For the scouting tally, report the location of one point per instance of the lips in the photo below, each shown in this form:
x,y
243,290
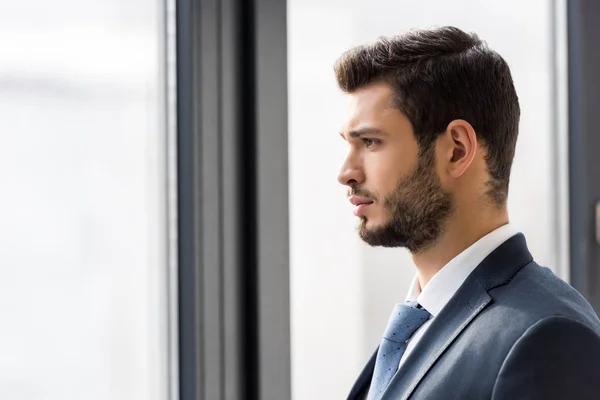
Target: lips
x,y
360,204
359,200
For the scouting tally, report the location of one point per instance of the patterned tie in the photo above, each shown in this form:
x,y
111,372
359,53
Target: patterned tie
x,y
404,322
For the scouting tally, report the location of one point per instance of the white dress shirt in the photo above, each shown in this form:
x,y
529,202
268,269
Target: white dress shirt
x,y
450,278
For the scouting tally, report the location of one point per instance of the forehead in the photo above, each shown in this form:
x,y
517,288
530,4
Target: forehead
x,y
369,100
373,106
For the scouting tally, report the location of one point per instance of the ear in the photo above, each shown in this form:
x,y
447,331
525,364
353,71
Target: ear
x,y
463,146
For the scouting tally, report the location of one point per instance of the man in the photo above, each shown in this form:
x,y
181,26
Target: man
x,y
432,126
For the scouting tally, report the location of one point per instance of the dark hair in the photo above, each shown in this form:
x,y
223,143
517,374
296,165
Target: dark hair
x,y
439,75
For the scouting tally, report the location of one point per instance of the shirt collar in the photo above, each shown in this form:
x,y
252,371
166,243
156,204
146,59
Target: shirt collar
x,y
450,278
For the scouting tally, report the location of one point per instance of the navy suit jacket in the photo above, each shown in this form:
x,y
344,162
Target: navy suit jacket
x,y
513,330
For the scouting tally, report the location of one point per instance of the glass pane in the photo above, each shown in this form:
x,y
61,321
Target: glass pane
x,y
82,160
342,290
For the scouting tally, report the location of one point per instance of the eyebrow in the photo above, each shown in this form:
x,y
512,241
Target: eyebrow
x,y
355,134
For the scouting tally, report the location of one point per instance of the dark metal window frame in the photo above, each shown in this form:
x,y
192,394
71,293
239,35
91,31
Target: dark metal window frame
x,y
584,144
234,334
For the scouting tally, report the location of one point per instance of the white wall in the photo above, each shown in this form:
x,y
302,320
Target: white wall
x,y
82,253
342,290
325,252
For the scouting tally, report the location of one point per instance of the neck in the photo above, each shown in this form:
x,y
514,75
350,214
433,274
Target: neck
x,y
461,231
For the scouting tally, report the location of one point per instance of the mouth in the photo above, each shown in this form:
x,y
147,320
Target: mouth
x,y
360,209
360,204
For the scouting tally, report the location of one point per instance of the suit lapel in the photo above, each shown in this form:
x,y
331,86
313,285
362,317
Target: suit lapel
x,y
446,326
470,299
364,379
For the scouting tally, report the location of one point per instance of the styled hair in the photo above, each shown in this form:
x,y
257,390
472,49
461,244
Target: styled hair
x,y
440,75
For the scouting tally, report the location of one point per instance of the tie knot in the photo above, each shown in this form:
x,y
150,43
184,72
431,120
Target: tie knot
x,y
404,321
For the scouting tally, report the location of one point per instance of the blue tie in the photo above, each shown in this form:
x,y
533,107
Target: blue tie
x,y
404,322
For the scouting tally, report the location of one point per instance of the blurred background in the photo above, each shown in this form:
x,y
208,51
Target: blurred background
x,y
82,160
156,157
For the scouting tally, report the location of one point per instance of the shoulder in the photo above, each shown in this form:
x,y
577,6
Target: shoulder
x,y
536,294
533,300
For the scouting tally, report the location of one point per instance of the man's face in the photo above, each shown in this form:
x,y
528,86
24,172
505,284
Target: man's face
x,y
396,190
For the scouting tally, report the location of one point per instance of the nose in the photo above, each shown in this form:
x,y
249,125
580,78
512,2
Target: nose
x,y
351,172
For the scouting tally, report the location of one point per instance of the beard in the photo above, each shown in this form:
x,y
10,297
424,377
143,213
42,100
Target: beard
x,y
418,209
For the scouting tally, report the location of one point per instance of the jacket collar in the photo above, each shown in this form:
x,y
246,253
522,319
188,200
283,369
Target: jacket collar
x,y
495,270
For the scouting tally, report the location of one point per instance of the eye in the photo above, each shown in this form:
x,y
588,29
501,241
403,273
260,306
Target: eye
x,y
370,142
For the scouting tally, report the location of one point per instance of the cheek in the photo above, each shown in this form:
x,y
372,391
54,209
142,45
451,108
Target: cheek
x,y
383,174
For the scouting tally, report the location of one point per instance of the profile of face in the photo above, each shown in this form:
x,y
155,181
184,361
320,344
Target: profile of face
x,y
392,182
